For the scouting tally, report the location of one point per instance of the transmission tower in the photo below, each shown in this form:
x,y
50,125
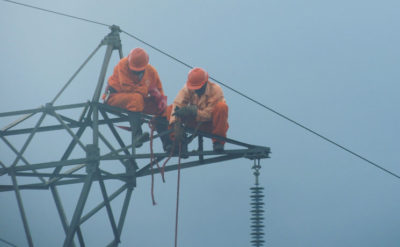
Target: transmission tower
x,y
87,160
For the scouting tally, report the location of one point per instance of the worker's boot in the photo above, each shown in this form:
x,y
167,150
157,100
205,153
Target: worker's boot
x,y
184,149
218,147
161,125
180,138
141,138
139,135
167,143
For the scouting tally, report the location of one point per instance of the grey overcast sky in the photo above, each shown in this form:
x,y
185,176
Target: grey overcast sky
x,y
330,65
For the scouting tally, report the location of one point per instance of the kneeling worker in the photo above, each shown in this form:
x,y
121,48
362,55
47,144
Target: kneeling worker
x,y
201,101
136,86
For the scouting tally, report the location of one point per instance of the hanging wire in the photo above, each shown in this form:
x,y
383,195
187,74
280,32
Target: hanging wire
x,y
223,84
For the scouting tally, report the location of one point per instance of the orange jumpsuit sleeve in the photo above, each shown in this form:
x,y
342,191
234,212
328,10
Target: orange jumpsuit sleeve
x,y
113,80
215,95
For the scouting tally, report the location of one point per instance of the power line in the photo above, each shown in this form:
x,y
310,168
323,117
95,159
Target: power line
x,y
10,244
270,109
223,84
159,50
57,13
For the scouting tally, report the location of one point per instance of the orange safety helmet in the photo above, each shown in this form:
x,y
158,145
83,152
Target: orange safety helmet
x,y
197,77
138,59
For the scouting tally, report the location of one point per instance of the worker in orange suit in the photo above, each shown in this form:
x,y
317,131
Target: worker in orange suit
x,y
136,86
201,103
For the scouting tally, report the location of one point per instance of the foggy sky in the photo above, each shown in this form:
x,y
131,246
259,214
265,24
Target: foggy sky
x,y
331,66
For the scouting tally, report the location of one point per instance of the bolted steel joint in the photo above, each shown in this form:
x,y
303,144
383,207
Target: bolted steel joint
x,y
113,37
115,28
48,108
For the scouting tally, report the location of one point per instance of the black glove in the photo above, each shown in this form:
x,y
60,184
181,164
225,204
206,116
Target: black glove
x,y
186,111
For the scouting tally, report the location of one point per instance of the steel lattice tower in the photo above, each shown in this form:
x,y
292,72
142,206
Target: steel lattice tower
x,y
97,120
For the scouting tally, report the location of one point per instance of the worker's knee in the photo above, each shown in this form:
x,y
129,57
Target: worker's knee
x,y
130,101
221,108
136,102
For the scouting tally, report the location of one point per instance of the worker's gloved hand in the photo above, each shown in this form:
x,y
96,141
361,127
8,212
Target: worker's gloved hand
x,y
109,90
186,111
162,103
161,100
154,92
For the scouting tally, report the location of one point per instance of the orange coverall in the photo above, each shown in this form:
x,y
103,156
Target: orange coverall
x,y
212,109
132,93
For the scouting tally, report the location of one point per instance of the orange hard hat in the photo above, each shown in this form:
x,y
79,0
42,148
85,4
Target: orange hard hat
x,y
197,77
138,59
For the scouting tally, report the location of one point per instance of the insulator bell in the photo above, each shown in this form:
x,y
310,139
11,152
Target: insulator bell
x,y
257,211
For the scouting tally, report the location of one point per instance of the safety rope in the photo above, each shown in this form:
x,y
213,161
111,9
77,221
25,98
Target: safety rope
x,y
177,195
162,175
162,170
152,127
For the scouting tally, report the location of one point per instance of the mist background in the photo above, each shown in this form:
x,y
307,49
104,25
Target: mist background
x,y
332,66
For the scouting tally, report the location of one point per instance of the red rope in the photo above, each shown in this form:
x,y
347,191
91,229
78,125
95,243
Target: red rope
x,y
177,196
162,170
152,127
166,161
151,162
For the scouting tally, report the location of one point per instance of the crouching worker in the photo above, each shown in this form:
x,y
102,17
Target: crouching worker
x,y
136,86
201,103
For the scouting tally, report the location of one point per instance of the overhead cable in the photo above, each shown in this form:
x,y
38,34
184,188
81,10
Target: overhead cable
x,y
57,13
7,242
269,108
223,84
